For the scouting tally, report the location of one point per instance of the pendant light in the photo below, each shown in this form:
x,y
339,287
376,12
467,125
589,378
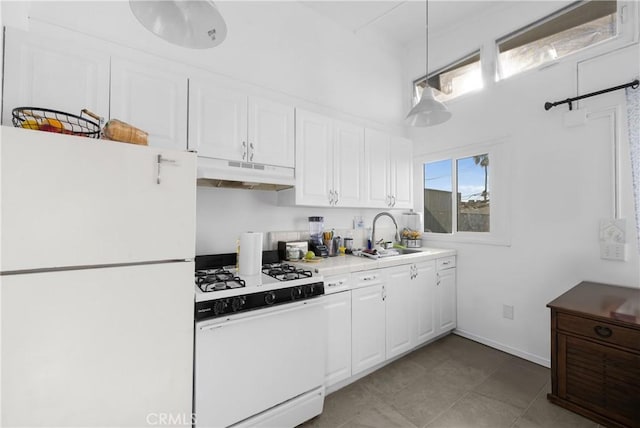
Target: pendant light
x,y
188,23
428,111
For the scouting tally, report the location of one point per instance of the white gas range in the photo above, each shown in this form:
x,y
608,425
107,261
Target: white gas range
x,y
259,347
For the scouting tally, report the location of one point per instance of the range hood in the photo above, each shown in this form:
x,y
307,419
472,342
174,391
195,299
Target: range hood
x,y
243,175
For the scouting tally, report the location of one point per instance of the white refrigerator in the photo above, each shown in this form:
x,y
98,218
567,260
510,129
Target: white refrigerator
x,y
97,242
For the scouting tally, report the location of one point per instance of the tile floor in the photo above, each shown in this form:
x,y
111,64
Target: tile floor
x,y
453,382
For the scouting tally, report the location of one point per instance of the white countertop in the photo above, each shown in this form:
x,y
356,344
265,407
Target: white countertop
x,y
340,265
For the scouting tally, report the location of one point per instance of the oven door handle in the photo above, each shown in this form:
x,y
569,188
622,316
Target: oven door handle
x,y
290,307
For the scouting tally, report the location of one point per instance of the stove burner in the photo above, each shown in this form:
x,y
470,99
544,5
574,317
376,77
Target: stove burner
x,y
217,279
285,272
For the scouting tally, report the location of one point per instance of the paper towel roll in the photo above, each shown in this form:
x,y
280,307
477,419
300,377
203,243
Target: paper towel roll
x,y
250,257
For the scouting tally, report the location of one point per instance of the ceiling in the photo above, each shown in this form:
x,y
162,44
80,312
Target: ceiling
x,y
401,22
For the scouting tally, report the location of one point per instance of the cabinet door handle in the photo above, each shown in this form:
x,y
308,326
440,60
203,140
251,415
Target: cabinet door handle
x,y
330,197
602,331
252,151
244,150
335,193
393,204
369,278
161,160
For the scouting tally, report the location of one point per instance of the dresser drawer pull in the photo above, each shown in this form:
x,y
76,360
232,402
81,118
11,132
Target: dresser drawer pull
x,y
602,331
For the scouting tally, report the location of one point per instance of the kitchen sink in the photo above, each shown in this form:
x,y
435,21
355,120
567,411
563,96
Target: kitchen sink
x,y
392,252
407,250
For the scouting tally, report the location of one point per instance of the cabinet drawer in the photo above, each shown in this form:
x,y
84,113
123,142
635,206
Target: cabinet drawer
x,y
446,262
367,278
602,331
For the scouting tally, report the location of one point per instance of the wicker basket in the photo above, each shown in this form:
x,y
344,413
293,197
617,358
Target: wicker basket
x,y
48,120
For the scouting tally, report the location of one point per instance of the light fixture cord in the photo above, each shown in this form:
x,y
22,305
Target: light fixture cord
x,y
426,49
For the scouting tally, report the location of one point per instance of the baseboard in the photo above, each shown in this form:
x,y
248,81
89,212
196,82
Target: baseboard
x,y
509,350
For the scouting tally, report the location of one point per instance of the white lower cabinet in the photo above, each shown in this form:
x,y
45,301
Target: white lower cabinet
x,y
367,321
424,301
393,310
338,360
446,295
399,318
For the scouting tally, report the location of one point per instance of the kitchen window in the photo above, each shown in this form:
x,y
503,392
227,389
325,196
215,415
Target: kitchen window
x,y
571,29
469,176
465,194
460,77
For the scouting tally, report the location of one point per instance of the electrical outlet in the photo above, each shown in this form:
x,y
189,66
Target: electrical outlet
x,y
507,312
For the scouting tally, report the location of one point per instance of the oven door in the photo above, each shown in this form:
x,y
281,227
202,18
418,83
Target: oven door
x,y
248,363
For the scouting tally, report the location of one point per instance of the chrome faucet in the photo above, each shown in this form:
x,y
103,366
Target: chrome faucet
x,y
373,232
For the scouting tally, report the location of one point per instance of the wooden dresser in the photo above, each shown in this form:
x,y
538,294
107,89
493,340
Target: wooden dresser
x,y
595,353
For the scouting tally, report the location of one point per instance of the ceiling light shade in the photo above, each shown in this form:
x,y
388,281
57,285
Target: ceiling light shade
x,y
428,111
188,23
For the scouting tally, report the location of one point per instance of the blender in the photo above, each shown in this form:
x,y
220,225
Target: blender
x,y
316,244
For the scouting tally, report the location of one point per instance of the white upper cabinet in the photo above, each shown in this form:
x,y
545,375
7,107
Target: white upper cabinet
x,y
217,121
271,132
348,164
229,124
151,95
313,159
329,161
401,170
377,169
388,163
65,75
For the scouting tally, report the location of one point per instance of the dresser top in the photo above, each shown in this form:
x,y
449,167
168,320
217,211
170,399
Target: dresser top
x,y
601,300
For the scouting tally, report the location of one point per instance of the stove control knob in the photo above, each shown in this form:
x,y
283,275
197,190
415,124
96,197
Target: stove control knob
x,y
296,293
237,303
309,289
269,297
219,306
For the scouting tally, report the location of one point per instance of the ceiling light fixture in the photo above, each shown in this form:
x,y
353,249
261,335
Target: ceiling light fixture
x,y
188,23
428,111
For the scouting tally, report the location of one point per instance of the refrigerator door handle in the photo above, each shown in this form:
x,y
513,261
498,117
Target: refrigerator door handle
x,y
160,160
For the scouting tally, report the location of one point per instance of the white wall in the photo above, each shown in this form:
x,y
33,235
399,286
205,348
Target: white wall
x,y
561,181
283,46
222,214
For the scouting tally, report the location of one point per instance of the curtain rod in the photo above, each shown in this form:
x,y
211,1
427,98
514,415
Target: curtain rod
x,y
634,84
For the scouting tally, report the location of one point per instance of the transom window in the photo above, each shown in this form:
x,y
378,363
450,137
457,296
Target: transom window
x,y
580,25
460,77
569,30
